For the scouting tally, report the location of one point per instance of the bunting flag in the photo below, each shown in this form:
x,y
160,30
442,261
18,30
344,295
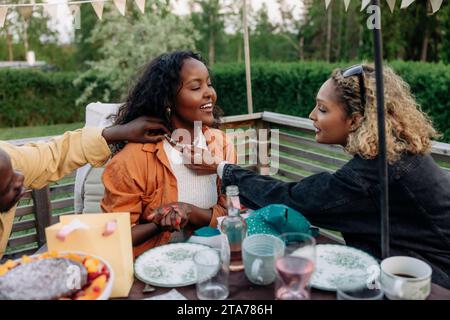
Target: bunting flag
x,y
26,9
3,13
74,10
25,12
435,5
121,6
98,8
406,3
391,4
364,4
346,3
141,5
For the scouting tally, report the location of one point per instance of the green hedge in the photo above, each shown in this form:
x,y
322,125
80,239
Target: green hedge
x,y
291,88
30,97
288,88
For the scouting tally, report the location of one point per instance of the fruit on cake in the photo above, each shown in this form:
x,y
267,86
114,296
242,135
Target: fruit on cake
x,y
53,276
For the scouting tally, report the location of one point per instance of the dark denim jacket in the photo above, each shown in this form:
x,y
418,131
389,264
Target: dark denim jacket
x,y
348,201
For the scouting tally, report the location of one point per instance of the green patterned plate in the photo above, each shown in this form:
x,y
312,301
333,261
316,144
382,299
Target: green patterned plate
x,y
336,264
170,265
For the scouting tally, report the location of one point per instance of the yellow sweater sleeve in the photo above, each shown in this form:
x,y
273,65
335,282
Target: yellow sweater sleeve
x,y
44,162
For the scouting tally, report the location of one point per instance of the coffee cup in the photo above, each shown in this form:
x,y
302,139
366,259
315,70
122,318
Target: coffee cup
x,y
259,252
405,278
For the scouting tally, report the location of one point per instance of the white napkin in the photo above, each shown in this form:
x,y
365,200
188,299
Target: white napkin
x,y
171,295
214,241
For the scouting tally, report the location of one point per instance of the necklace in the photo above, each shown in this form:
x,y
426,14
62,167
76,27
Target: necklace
x,y
175,143
181,146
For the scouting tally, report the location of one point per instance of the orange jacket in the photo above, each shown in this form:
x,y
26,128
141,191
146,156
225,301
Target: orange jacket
x,y
139,179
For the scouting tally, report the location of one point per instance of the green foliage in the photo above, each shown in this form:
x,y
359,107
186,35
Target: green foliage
x,y
32,97
86,50
38,131
210,24
38,32
290,88
410,34
129,43
430,84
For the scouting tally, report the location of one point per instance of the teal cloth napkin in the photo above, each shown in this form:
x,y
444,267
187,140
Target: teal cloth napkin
x,y
206,232
276,219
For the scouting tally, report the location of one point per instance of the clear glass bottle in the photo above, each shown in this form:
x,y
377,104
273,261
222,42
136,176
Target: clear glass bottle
x,y
235,227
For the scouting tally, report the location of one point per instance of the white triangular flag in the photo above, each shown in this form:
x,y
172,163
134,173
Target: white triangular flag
x,y
327,3
98,8
121,6
346,3
25,12
51,10
435,5
3,12
391,4
140,4
406,3
364,4
74,10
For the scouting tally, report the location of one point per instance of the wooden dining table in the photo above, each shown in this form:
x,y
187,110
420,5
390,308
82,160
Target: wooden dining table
x,y
240,288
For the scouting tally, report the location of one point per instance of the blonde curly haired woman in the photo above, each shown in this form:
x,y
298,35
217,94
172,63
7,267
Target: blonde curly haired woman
x,y
348,200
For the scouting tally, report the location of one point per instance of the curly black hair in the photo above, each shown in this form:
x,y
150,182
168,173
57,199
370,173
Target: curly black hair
x,y
156,89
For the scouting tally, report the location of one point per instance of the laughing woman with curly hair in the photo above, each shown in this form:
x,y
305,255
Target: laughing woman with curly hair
x,y
348,200
166,200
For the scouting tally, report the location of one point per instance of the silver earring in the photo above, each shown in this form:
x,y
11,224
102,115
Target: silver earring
x,y
168,113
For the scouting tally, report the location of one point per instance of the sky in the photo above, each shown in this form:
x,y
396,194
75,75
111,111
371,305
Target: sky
x,y
63,21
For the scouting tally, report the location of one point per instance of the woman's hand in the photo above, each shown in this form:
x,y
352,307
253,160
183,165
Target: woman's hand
x,y
203,163
171,217
142,130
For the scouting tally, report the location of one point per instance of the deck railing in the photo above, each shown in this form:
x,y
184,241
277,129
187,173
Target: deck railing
x,y
299,156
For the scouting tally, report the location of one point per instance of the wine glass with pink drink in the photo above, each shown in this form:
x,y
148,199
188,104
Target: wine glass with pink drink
x,y
295,267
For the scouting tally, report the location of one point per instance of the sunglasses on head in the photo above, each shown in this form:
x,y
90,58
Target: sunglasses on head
x,y
357,70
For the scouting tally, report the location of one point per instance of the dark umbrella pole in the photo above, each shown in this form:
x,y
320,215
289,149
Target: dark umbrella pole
x,y
382,167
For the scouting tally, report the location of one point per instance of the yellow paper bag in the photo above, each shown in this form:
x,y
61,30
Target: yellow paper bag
x,y
116,247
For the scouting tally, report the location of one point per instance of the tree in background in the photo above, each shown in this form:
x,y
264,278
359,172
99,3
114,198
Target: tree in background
x,y
86,50
409,34
444,32
313,33
21,35
7,47
129,43
293,26
209,21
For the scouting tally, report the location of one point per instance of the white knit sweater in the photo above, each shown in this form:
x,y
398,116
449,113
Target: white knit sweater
x,y
199,190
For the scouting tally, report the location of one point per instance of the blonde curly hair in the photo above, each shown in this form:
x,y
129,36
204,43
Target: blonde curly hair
x,y
408,129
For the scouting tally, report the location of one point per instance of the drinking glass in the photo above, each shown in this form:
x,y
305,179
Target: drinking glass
x,y
212,266
295,267
358,288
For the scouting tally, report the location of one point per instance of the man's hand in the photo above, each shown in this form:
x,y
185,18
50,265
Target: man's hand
x,y
190,158
144,129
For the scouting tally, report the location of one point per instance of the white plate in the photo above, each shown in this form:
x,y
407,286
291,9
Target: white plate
x,y
170,265
335,263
